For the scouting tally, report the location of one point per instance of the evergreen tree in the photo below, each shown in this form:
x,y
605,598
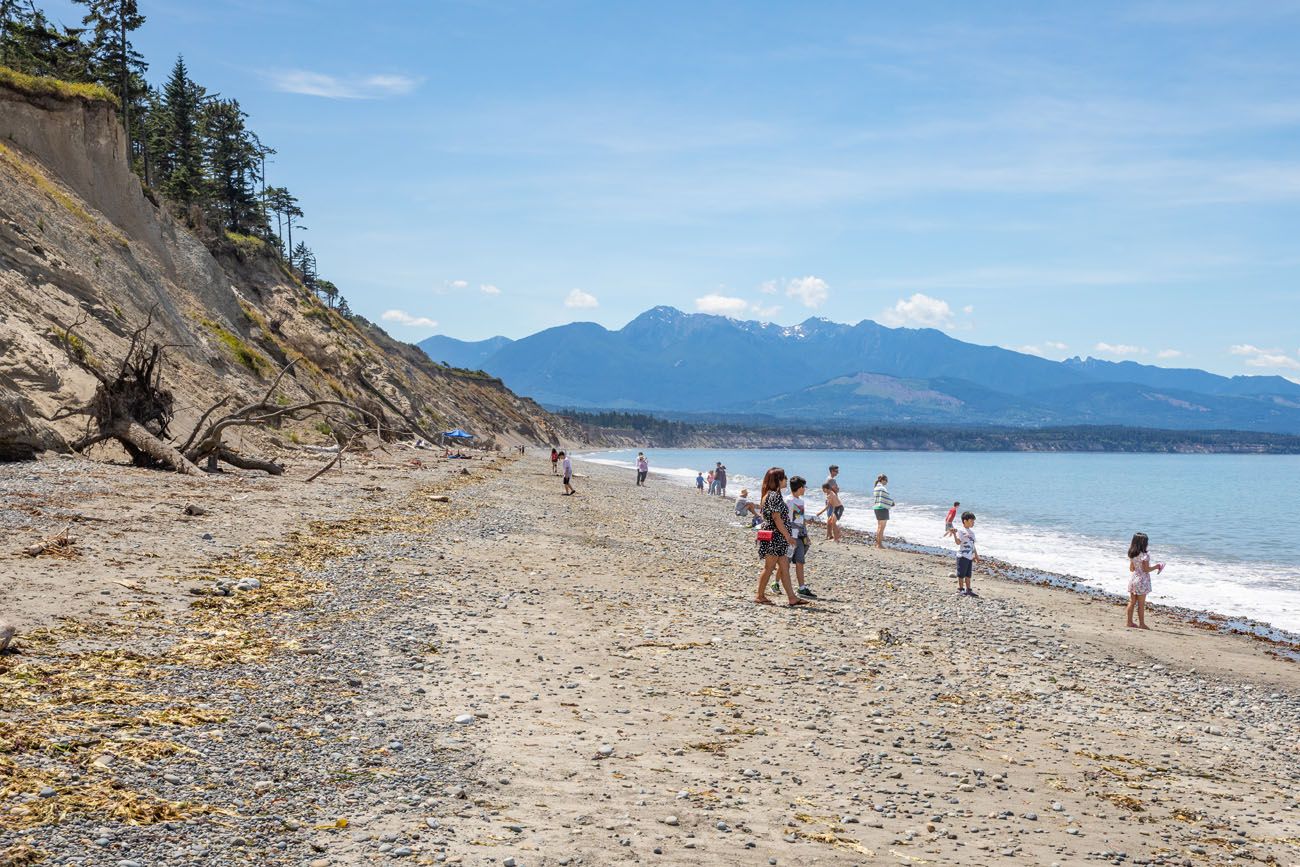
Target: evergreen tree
x,y
178,135
115,62
328,291
305,261
231,159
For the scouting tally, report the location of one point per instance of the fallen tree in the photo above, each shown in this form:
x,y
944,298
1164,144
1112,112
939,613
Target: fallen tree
x,y
133,408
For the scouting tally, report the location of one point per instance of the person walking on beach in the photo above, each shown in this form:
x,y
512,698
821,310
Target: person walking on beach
x,y
1139,582
833,510
799,529
967,555
642,469
555,457
881,503
699,482
713,489
948,519
836,511
720,479
774,539
567,466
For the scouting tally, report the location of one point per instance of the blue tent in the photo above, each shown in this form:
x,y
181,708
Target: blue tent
x,y
458,434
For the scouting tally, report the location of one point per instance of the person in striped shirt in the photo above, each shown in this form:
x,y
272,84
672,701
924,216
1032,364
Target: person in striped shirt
x,y
881,502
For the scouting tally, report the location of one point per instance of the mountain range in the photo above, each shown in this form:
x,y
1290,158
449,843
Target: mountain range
x,y
667,361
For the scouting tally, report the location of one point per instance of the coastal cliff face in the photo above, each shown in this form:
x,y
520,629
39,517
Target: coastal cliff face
x,y
82,243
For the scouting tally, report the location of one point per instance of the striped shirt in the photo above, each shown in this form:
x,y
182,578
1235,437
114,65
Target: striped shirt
x,y
882,500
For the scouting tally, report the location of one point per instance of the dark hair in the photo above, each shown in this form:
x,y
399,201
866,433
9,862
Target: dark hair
x,y
955,504
772,480
882,478
834,468
797,483
967,516
826,486
1138,545
561,454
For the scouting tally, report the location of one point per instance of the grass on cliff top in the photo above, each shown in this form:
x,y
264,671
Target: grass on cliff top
x,y
39,85
246,244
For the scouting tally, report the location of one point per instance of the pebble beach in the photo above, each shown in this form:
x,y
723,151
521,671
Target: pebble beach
x,y
448,662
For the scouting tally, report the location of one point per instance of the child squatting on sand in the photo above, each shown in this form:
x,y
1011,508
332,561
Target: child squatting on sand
x,y
1139,582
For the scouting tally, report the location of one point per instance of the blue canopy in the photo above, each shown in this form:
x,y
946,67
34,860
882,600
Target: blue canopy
x,y
458,434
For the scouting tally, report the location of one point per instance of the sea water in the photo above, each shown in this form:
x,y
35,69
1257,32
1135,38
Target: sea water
x,y
1226,525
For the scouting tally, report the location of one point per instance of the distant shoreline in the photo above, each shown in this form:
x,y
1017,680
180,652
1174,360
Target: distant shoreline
x,y
611,429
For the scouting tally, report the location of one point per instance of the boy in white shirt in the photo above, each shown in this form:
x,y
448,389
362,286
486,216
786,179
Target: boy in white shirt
x,y
799,530
967,555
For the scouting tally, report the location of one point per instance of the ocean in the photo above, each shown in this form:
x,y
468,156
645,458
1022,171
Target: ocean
x,y
1225,524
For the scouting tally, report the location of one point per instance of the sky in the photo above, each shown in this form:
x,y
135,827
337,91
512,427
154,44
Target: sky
x,y
1112,179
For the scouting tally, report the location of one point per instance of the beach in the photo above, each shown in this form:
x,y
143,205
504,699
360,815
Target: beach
x,y
449,662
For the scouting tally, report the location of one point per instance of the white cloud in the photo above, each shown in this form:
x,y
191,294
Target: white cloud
x,y
724,305
968,309
765,313
320,84
401,317
578,298
489,289
1256,357
1044,349
1118,349
768,287
1169,353
811,291
919,311
457,284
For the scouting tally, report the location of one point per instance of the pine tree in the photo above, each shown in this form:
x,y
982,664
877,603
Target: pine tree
x,y
179,158
231,159
327,290
115,62
305,261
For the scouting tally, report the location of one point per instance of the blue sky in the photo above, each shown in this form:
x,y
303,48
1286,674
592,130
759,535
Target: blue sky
x,y
1110,179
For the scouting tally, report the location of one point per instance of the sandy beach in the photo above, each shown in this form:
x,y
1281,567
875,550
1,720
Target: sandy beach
x,y
452,663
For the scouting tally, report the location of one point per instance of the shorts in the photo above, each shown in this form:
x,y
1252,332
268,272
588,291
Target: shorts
x,y
882,514
568,479
947,525
839,512
964,566
800,552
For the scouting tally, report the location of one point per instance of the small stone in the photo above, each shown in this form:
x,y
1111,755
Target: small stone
x,y
395,746
262,787
722,826
321,862
172,778
465,719
402,852
47,792
671,820
264,728
508,862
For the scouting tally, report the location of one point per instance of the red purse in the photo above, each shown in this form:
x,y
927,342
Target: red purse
x,y
765,535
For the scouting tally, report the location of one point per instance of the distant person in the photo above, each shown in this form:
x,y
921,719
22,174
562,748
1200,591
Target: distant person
x,y
699,482
720,479
713,489
967,554
948,519
1139,582
774,539
567,466
555,458
832,472
832,510
642,469
745,506
799,529
881,503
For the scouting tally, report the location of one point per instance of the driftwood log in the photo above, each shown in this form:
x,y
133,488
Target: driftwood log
x,y
132,407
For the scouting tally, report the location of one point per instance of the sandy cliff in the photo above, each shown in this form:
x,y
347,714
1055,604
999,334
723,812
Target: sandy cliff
x,y
82,241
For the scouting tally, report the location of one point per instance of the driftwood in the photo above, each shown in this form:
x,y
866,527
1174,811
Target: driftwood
x,y
132,407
